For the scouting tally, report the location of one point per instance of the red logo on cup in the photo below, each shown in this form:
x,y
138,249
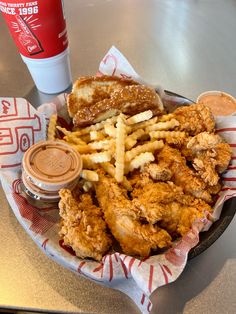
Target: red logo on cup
x,y
26,37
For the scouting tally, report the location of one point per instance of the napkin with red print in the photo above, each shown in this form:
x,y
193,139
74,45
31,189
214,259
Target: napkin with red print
x,y
21,126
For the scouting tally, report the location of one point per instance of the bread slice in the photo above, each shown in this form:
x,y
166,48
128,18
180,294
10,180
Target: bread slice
x,y
89,90
129,100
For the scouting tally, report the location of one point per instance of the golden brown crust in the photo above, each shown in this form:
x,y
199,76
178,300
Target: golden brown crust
x,y
90,114
121,216
129,100
91,89
182,175
159,201
82,226
195,119
134,99
71,104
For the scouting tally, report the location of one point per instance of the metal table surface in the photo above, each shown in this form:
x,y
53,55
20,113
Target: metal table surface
x,y
187,47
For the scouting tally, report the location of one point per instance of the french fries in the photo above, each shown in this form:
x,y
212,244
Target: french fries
x,y
166,117
120,148
140,117
144,124
52,127
120,144
166,134
89,175
110,169
96,135
103,145
140,160
148,147
167,125
132,139
99,157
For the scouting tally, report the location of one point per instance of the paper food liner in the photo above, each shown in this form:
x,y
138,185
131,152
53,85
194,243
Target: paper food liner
x,y
21,126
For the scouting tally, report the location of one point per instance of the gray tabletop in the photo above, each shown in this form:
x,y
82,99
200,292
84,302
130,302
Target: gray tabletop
x,y
187,47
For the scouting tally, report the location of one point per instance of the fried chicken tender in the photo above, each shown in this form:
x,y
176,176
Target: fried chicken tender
x,y
151,200
82,226
139,179
157,173
203,141
210,156
121,216
166,204
182,175
205,166
194,119
223,156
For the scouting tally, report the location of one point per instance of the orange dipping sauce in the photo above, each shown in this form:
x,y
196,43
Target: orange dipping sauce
x,y
220,103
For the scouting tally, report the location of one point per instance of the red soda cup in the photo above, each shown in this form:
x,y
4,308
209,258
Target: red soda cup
x,y
39,31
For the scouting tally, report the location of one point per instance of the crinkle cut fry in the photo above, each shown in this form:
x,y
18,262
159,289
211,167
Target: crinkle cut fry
x,y
166,134
167,125
52,127
148,147
120,148
140,160
110,169
140,117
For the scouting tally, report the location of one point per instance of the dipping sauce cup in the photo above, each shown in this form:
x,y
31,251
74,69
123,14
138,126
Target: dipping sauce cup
x,y
47,167
220,103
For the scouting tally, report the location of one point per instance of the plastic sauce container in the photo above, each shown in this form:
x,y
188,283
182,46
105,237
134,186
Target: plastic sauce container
x,y
220,103
47,167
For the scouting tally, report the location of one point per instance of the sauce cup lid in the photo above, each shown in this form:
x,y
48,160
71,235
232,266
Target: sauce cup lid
x,y
52,165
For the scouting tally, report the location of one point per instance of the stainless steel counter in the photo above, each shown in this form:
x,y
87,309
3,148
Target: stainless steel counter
x,y
187,47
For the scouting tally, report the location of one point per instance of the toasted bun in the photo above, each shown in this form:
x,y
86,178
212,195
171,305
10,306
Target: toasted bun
x,y
89,90
94,99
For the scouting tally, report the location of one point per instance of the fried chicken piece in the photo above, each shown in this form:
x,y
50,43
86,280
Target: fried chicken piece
x,y
121,216
192,208
166,204
157,173
205,166
82,226
211,146
139,179
203,141
210,156
150,200
178,218
214,189
223,156
194,119
182,175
